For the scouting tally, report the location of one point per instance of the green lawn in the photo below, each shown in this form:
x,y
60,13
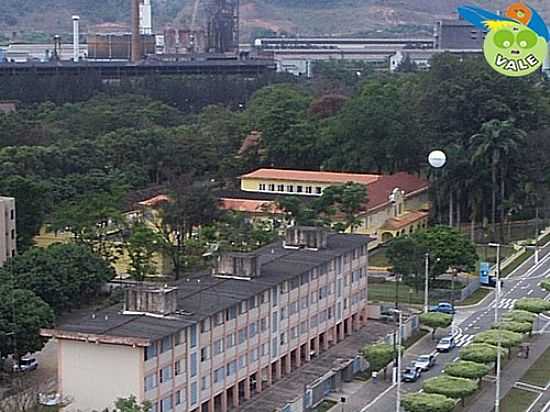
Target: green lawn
x,y
489,254
475,297
379,260
539,373
517,400
385,292
515,264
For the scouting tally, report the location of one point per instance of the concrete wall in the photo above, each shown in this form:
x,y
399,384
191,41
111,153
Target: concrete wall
x,y
7,228
95,375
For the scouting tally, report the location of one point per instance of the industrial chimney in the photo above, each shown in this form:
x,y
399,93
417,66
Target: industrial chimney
x,y
136,36
76,39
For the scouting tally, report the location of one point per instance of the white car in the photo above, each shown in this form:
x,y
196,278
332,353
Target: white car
x,y
446,344
26,365
425,362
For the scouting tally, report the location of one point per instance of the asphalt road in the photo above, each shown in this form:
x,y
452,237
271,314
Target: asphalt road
x,y
523,282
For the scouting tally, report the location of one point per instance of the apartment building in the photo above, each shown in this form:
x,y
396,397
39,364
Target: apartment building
x,y
397,204
212,341
7,229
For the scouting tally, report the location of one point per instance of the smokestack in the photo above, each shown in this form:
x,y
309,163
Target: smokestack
x,y
146,18
76,39
136,37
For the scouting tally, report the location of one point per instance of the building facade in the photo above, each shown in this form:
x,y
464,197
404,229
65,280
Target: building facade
x,y
215,340
8,234
397,204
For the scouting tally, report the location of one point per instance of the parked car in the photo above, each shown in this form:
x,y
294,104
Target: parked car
x,y
446,344
411,374
443,307
425,362
26,365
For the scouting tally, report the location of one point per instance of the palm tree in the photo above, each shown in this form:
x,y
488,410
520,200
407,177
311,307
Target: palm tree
x,y
497,141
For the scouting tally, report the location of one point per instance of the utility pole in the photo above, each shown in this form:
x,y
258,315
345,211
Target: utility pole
x,y
427,271
398,373
497,302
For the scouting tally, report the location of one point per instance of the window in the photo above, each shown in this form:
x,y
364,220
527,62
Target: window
x,y
205,325
274,324
150,382
274,347
12,214
218,319
299,189
318,190
304,302
252,303
323,292
294,283
263,324
309,189
263,349
292,308
177,339
284,287
165,374
261,186
242,361
13,234
281,188
304,278
204,353
231,340
231,313
231,368
303,327
242,308
274,296
204,383
194,393
242,335
293,332
166,404
283,313
217,347
313,321
150,351
194,364
283,338
345,303
339,292
313,297
218,375
193,338
330,313
252,329
314,274
165,344
254,355
178,398
271,187
177,367
290,188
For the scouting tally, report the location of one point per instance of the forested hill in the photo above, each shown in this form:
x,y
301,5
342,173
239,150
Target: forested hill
x,y
305,17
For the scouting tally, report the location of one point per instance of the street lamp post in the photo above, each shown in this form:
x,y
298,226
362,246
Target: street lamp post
x,y
497,302
398,371
536,247
427,272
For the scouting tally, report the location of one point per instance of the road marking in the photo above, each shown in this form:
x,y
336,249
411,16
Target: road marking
x,y
378,398
534,403
531,291
528,385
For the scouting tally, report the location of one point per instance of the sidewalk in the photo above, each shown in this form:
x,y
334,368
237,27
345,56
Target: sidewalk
x,y
511,373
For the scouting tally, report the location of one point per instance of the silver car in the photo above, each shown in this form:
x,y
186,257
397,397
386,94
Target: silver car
x,y
425,362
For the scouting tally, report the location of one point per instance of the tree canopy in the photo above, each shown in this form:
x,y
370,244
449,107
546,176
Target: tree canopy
x,y
378,355
545,284
517,315
533,305
436,320
481,353
508,339
513,326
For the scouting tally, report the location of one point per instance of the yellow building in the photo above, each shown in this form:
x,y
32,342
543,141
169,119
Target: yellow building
x,y
397,204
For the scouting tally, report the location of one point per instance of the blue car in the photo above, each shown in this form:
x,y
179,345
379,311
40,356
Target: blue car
x,y
443,307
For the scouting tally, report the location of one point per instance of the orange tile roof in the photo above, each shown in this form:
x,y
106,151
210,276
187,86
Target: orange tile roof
x,y
397,223
155,201
249,206
312,176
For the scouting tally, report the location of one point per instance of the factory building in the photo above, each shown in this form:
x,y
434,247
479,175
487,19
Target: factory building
x,y
213,341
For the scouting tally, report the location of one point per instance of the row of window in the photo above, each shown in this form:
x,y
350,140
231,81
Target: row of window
x,y
167,404
163,345
165,374
231,367
263,187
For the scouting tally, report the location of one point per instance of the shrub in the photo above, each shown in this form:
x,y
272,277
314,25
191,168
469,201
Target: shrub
x,y
450,386
467,369
519,316
378,355
518,327
427,402
533,305
480,353
436,320
545,284
508,339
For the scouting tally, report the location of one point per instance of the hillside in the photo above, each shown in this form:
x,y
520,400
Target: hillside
x,y
303,17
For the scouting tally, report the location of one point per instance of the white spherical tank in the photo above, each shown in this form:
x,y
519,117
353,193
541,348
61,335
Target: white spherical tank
x,y
437,159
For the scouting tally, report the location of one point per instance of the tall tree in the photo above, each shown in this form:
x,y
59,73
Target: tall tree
x,y
349,199
142,245
494,145
406,256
